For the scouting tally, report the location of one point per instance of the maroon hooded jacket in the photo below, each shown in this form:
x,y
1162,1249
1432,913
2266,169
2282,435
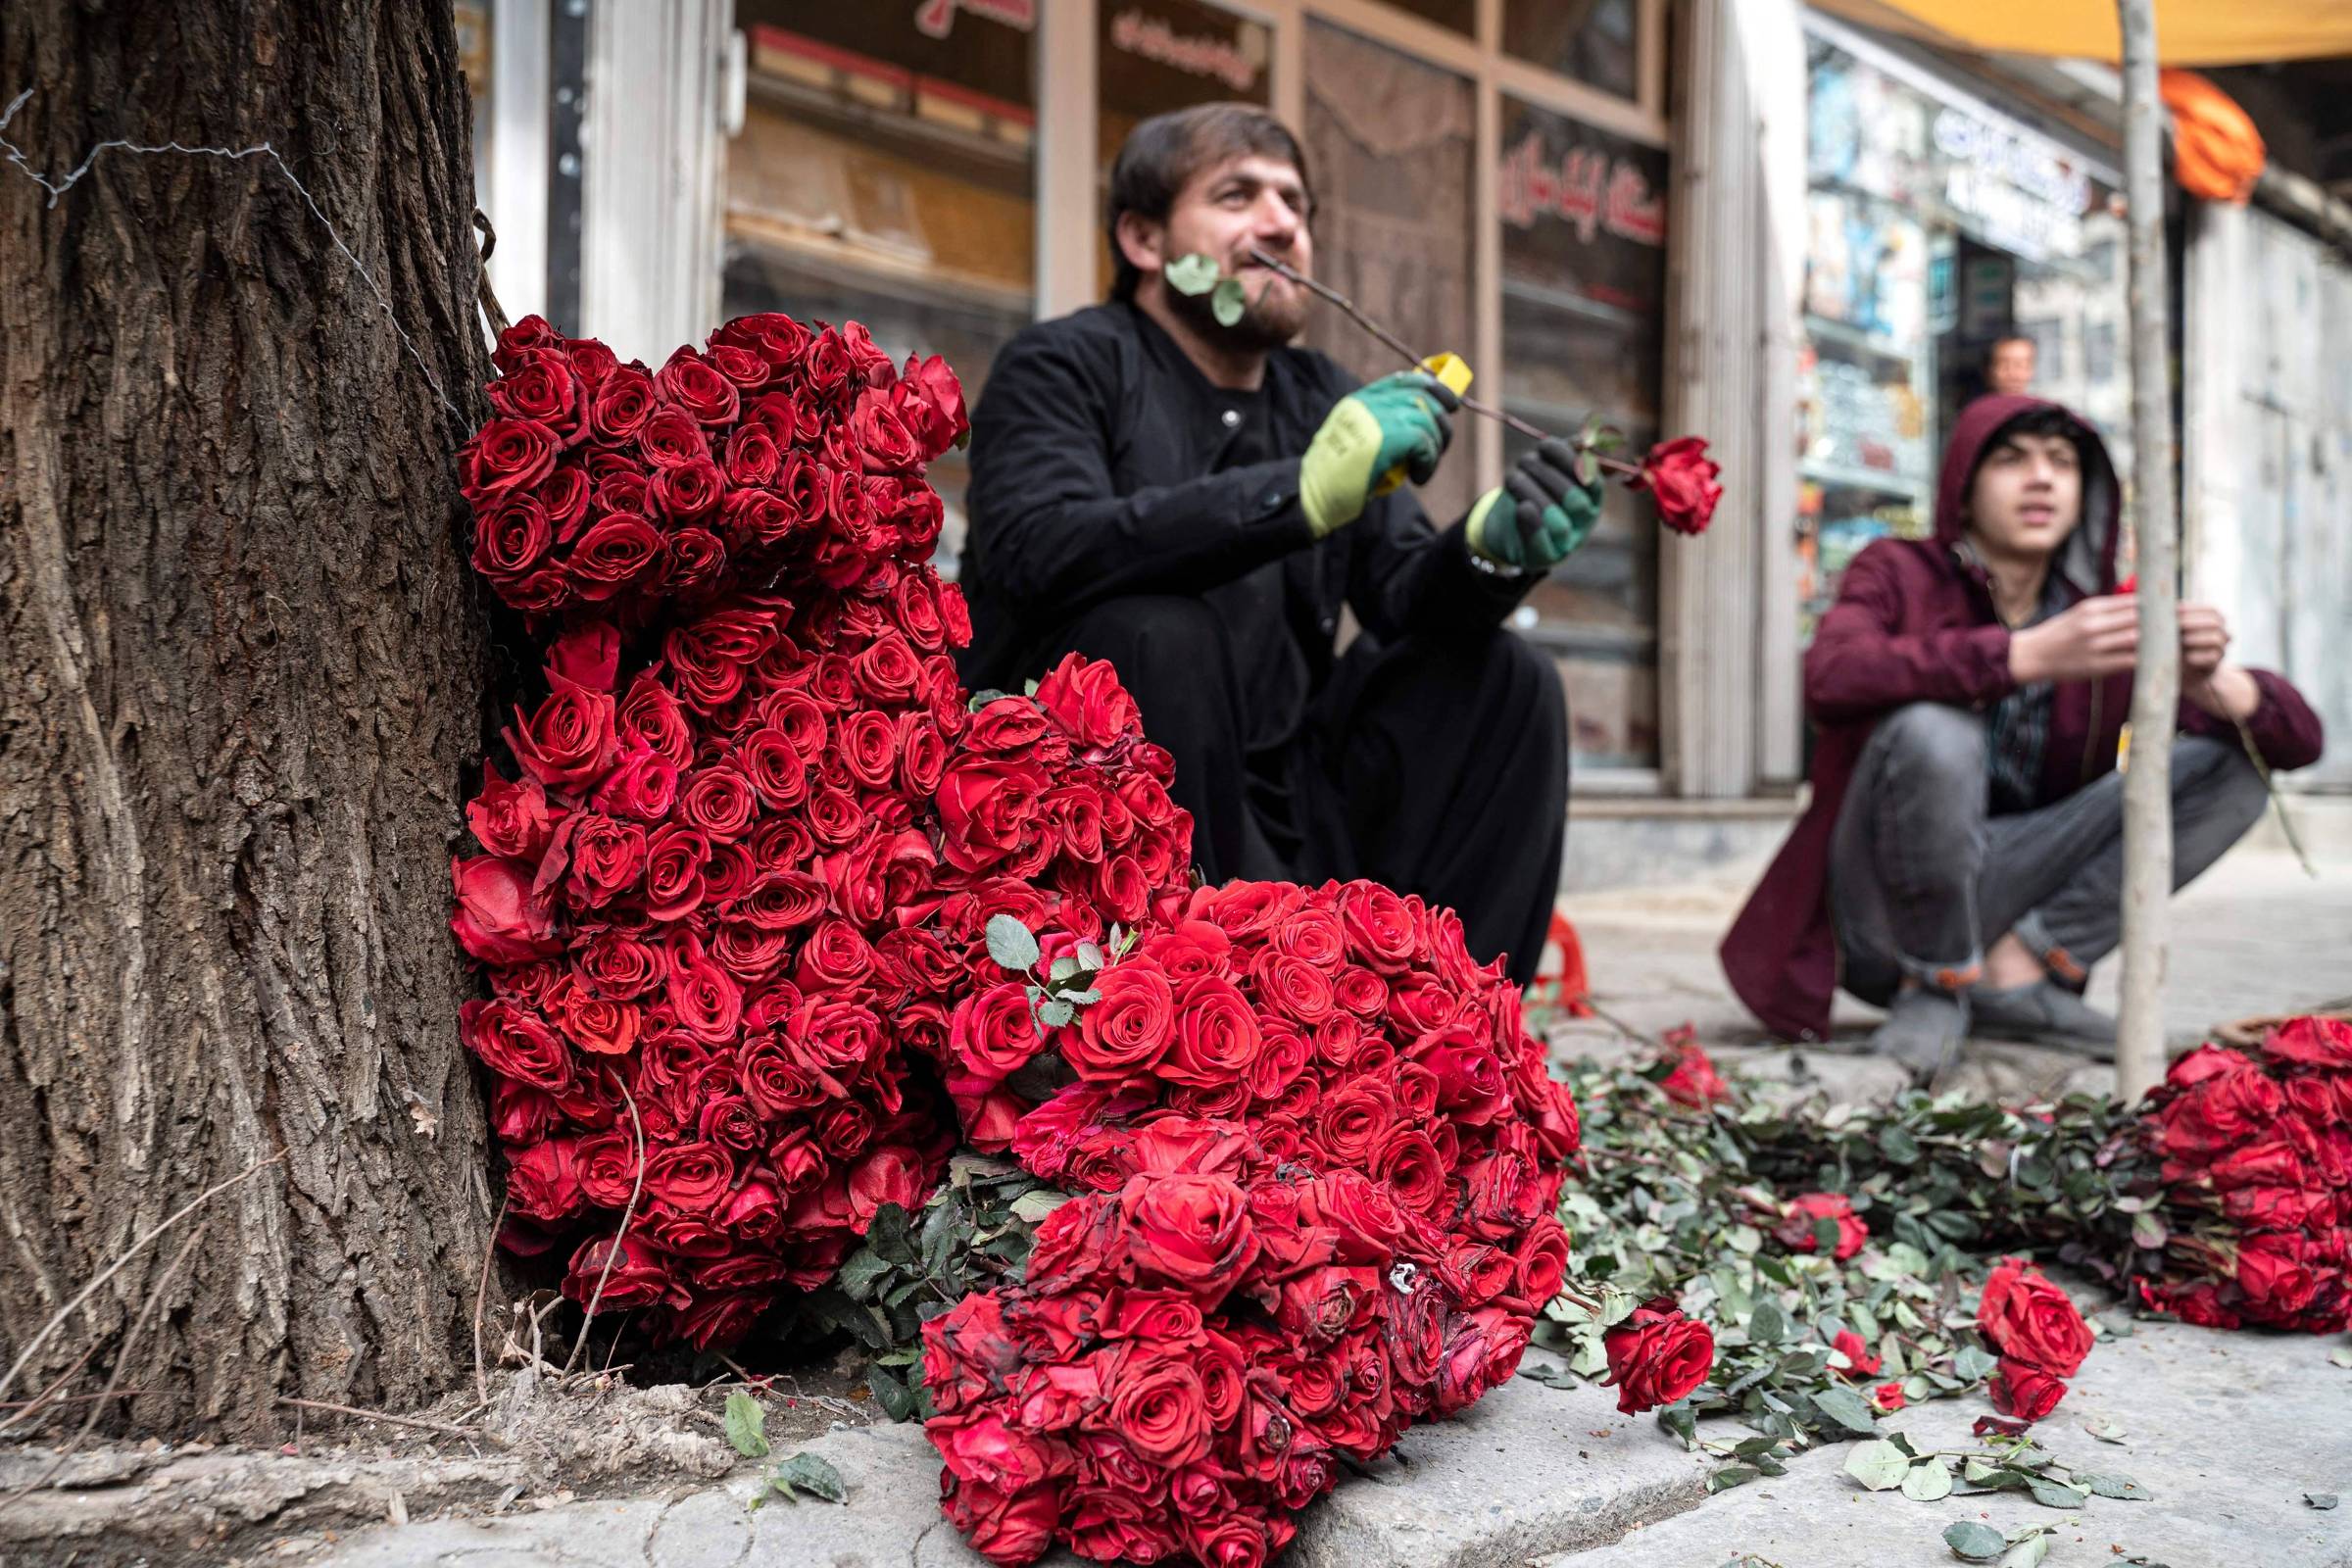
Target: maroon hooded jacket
x,y
1914,622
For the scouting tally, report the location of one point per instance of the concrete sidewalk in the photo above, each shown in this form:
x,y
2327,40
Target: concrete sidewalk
x,y
2227,1431
2255,935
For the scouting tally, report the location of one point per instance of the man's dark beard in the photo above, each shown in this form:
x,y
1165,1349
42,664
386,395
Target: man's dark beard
x,y
1264,326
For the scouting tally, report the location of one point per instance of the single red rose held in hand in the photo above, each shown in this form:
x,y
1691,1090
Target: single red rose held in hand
x,y
1682,478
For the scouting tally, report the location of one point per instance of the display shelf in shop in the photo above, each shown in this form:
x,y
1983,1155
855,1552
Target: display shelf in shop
x,y
1825,329
1885,481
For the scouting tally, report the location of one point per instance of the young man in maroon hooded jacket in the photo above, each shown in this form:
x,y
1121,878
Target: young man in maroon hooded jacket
x,y
1961,862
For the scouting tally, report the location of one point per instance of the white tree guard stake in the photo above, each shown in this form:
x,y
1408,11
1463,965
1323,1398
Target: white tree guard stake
x,y
2156,685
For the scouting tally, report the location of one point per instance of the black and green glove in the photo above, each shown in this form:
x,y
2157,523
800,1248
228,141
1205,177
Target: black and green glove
x,y
1540,513
1399,418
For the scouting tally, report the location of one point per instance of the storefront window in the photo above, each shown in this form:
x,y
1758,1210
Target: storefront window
x,y
1595,41
1584,286
1936,229
886,173
1392,143
1459,14
1153,56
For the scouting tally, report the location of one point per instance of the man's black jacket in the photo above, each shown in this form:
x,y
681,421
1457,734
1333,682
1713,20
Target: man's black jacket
x,y
1096,473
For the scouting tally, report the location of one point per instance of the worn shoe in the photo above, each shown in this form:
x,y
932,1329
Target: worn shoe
x,y
1923,1031
2045,1014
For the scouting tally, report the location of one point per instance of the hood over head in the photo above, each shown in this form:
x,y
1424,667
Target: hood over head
x,y
2087,559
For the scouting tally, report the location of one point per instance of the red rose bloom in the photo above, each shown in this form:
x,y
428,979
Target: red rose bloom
x,y
1682,479
1860,1361
1691,1079
2026,1391
2032,1321
1128,1030
1657,1355
1188,1232
1799,1229
500,919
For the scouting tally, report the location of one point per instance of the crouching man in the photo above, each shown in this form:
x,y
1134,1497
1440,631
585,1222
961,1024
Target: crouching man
x,y
1961,862
1196,501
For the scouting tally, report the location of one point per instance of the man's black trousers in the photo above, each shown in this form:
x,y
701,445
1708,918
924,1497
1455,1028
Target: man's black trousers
x,y
1437,765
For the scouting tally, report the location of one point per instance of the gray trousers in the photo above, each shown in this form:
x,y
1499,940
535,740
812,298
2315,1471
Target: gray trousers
x,y
1922,879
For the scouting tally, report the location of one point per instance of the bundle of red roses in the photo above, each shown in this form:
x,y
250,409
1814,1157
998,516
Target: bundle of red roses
x,y
2256,1222
1311,1114
635,493
746,868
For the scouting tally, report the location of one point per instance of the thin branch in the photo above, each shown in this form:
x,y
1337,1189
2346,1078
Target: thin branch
x,y
2287,823
380,1415
84,1398
58,1317
481,1289
612,1252
130,1339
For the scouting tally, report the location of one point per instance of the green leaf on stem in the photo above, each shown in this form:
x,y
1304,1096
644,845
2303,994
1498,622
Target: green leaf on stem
x,y
1847,1408
747,1425
1880,1466
809,1473
2121,1488
1929,1481
1228,304
1974,1541
1195,273
1010,944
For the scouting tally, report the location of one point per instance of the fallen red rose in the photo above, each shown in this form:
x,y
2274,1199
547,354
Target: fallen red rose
x,y
1657,1355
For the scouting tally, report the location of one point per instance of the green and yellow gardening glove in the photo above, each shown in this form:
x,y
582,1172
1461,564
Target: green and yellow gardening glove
x,y
1396,421
1540,513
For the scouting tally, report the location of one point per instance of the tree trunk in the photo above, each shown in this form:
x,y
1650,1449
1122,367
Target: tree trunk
x,y
241,665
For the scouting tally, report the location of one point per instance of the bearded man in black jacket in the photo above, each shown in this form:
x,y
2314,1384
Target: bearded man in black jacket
x,y
1195,503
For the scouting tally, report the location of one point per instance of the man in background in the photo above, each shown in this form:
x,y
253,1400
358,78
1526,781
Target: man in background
x,y
2009,366
1195,502
1961,862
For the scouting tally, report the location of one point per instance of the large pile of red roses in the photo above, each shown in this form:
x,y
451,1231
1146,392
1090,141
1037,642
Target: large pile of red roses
x,y
744,869
1316,1158
744,908
2256,1172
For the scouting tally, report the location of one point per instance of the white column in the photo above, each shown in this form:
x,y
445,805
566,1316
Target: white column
x,y
654,152
1727,628
1069,214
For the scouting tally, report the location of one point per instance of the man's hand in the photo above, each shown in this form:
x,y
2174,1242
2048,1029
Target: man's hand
x,y
2207,678
1540,513
1397,418
2089,639
2204,642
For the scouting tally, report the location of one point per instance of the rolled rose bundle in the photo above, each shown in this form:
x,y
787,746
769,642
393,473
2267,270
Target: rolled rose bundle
x,y
742,872
1308,1115
2256,1171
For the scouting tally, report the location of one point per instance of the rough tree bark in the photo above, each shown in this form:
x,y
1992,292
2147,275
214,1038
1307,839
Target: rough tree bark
x,y
240,672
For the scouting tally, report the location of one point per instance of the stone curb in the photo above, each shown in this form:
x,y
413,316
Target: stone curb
x,y
1530,1470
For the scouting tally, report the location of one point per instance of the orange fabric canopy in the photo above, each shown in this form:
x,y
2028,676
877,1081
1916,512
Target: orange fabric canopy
x,y
2189,32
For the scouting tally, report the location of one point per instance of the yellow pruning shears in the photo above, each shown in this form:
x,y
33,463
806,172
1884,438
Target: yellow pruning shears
x,y
1453,375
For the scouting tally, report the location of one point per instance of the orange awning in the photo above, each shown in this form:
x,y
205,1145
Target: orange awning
x,y
2189,32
